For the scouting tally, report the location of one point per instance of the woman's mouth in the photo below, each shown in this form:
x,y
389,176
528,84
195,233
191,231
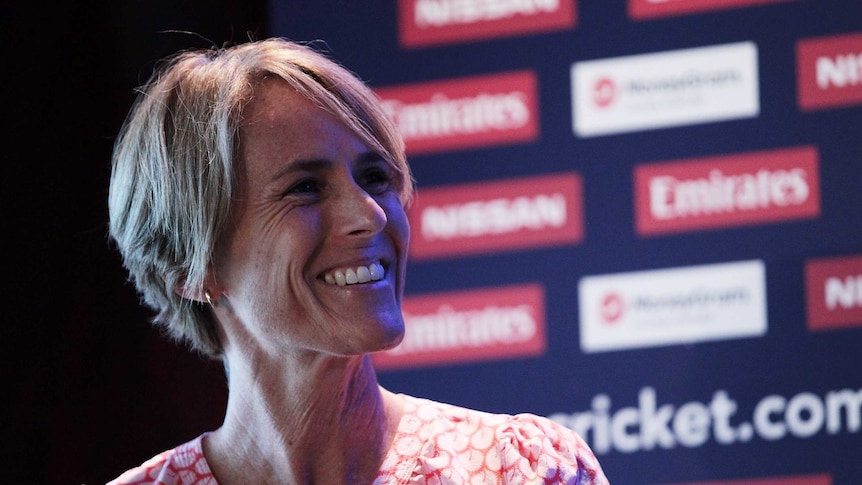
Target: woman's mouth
x,y
355,275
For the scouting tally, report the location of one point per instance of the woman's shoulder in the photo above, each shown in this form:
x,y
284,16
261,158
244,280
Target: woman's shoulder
x,y
523,444
183,465
511,426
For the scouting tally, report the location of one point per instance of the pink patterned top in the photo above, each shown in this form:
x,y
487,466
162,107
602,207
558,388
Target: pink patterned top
x,y
435,443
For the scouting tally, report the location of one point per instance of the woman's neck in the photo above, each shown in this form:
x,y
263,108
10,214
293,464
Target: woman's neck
x,y
323,421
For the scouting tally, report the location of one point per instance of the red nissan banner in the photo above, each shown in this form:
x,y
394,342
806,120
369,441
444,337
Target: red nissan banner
x,y
725,191
834,292
423,23
467,112
470,326
484,217
647,9
829,71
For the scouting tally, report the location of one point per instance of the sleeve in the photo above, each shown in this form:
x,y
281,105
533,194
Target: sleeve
x,y
144,474
183,465
537,450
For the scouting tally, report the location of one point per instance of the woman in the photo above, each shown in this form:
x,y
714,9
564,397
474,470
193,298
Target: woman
x,y
258,199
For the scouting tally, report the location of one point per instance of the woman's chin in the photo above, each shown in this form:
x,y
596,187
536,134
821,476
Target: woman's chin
x,y
391,334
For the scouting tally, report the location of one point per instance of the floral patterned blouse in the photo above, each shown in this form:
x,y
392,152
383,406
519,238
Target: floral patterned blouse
x,y
435,443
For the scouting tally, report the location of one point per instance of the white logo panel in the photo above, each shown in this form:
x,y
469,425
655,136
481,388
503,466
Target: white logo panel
x,y
672,306
665,89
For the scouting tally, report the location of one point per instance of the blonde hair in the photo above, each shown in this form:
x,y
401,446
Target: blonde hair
x,y
173,164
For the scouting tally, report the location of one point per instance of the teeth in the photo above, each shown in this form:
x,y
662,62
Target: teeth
x,y
375,272
363,274
352,276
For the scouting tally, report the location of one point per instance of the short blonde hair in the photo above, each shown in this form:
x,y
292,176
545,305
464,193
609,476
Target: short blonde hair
x,y
173,168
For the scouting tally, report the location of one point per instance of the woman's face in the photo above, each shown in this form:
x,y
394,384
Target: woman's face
x,y
316,254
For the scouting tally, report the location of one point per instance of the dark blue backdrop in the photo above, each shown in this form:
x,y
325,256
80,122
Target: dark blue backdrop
x,y
787,361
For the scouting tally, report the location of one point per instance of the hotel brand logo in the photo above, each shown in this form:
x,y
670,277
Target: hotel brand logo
x,y
672,306
665,89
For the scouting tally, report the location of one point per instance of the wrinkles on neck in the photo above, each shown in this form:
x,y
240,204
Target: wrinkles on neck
x,y
326,421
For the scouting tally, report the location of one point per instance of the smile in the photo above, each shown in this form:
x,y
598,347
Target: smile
x,y
352,276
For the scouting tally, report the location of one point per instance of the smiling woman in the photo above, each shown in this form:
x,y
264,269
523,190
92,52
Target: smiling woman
x,y
258,199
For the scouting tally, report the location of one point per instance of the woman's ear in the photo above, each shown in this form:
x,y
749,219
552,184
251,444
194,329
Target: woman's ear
x,y
193,294
209,293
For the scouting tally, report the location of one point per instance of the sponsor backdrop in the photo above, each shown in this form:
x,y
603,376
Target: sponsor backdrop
x,y
639,218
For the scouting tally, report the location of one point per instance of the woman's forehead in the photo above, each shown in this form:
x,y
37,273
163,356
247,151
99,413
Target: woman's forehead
x,y
283,127
274,100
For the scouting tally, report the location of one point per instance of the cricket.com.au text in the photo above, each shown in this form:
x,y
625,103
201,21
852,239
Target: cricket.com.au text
x,y
651,425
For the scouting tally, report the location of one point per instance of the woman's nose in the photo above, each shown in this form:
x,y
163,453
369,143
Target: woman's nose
x,y
358,213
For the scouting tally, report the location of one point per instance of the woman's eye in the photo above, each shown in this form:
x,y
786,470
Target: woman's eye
x,y
376,180
305,186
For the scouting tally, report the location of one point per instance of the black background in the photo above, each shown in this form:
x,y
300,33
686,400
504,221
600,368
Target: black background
x,y
89,388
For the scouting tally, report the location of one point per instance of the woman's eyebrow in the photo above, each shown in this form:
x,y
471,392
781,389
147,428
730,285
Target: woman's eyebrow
x,y
322,164
370,157
303,165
